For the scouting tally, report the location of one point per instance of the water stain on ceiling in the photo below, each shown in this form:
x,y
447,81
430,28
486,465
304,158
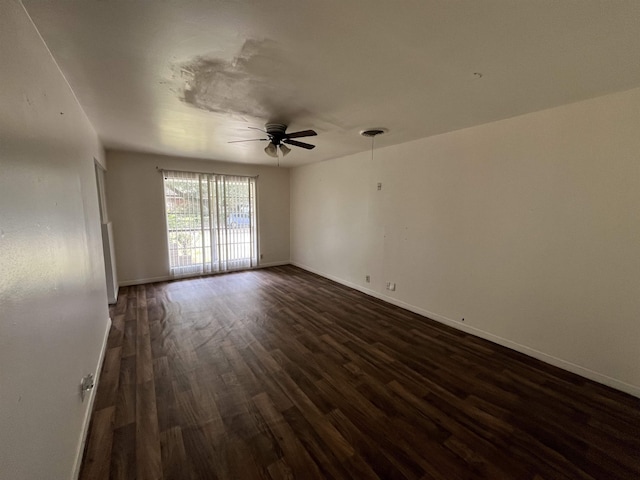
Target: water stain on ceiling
x,y
259,82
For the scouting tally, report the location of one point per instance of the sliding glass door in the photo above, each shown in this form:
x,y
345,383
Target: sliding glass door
x,y
211,222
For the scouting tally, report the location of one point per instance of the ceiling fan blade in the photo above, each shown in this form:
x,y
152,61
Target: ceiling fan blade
x,y
250,140
308,146
302,133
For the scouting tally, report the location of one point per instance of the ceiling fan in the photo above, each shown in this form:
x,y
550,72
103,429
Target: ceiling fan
x,y
278,137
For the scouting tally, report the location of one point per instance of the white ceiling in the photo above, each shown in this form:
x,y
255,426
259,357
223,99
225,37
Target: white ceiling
x,y
336,66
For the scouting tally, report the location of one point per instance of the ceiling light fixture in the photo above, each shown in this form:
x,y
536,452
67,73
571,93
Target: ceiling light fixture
x,y
271,150
284,149
372,133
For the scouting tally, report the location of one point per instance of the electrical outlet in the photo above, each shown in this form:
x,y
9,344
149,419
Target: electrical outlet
x,y
391,286
261,256
379,186
367,279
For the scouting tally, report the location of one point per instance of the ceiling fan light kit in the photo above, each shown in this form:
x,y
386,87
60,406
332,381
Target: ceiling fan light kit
x,y
285,150
271,150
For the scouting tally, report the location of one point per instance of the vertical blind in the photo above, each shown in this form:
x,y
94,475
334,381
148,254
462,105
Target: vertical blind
x,y
211,222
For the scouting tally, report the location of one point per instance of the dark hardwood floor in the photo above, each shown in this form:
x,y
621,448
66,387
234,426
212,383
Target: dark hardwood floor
x,y
279,373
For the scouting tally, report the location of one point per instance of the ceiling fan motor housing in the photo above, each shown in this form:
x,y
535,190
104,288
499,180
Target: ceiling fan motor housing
x,y
276,132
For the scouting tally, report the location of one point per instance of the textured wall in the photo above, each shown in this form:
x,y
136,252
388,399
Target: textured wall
x,y
53,305
528,228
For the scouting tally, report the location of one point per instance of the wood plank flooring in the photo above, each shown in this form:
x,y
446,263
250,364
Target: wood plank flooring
x,y
280,374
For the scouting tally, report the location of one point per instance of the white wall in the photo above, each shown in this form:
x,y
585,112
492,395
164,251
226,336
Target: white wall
x,y
135,199
528,228
53,305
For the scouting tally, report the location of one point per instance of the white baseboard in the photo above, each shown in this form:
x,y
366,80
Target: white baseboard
x,y
89,410
531,352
